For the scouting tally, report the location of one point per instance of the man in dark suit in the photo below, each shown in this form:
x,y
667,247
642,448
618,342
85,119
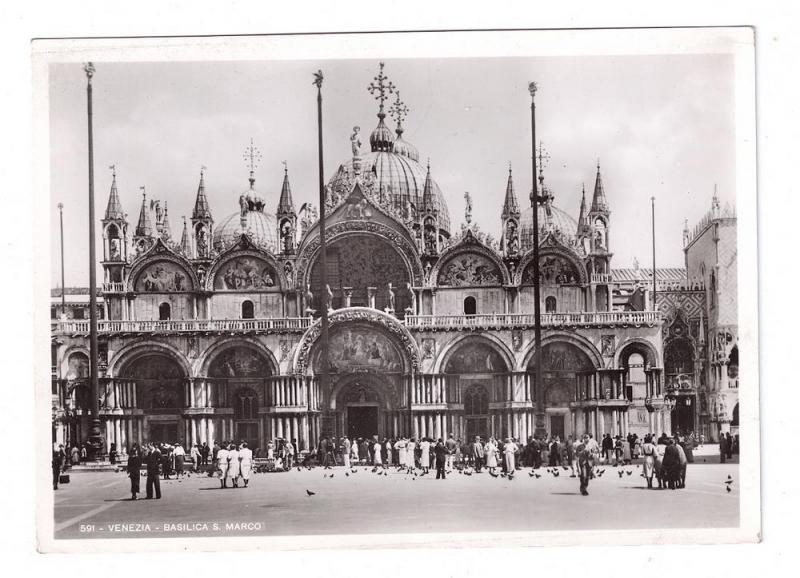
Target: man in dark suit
x,y
57,464
441,458
153,461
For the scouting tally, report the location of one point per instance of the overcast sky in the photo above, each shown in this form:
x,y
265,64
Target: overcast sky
x,y
661,126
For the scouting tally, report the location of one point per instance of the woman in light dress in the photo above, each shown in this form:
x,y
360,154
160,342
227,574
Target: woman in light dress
x,y
376,449
425,458
658,459
222,461
411,447
649,453
400,446
626,451
234,468
354,451
388,452
245,463
490,453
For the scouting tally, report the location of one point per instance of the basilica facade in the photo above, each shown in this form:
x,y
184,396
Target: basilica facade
x,y
216,335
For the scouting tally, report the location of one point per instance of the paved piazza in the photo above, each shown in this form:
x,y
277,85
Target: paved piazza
x,y
277,504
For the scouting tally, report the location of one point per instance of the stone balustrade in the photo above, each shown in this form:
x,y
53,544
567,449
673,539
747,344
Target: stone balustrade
x,y
184,325
500,320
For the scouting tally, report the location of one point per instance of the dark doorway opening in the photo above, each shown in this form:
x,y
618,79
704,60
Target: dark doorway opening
x,y
557,426
247,432
362,421
164,432
683,414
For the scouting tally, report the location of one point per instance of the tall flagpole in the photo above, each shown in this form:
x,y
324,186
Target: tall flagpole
x,y
538,394
323,259
63,291
653,221
95,438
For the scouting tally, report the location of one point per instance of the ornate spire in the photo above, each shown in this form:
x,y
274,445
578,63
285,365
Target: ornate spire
x,y
202,210
114,208
428,205
144,228
510,205
285,204
582,213
599,203
166,231
686,233
186,245
381,138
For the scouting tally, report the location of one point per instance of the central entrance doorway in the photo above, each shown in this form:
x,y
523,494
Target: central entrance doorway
x,y
362,421
163,432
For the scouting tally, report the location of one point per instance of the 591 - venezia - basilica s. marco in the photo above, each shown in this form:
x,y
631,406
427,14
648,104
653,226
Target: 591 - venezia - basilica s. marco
x,y
215,336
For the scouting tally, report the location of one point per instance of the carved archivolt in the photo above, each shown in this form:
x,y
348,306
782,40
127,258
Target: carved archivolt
x,y
405,247
357,314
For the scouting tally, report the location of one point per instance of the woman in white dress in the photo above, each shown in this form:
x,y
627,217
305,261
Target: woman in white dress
x,y
222,461
233,465
400,446
354,451
388,452
245,463
425,458
490,451
377,461
411,447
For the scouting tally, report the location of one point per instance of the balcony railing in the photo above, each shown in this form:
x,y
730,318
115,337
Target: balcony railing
x,y
113,287
185,325
497,320
601,278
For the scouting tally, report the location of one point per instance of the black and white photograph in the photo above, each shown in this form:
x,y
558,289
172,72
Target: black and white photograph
x,y
309,289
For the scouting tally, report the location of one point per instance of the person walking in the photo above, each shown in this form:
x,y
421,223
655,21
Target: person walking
x,y
490,452
729,445
153,464
57,464
245,463
388,445
289,450
570,453
112,454
178,455
234,467
670,466
723,450
346,452
377,460
134,470
441,453
607,447
478,454
400,446
204,451
425,457
510,449
194,455
587,452
222,465
354,452
680,476
450,445
75,455
649,454
411,448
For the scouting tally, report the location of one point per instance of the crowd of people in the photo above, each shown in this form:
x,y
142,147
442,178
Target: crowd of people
x,y
663,458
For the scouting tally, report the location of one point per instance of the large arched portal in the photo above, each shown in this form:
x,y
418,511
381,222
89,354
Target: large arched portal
x,y
238,378
680,382
360,269
480,376
158,381
368,370
567,375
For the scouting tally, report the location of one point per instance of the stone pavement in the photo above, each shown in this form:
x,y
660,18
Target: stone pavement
x,y
97,505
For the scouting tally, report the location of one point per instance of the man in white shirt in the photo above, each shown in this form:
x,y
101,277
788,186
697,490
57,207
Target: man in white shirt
x,y
288,450
245,462
510,449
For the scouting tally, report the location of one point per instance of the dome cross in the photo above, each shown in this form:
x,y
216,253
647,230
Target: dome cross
x,y
398,111
382,87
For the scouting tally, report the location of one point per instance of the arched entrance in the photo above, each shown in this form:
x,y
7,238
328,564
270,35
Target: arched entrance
x,y
482,379
159,381
360,405
567,375
680,380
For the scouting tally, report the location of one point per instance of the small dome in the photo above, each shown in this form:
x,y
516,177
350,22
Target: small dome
x,y
260,226
404,148
551,218
381,138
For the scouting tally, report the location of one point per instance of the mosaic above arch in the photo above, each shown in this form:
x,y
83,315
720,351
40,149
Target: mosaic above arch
x,y
469,269
245,273
563,357
239,362
360,348
475,358
163,277
553,270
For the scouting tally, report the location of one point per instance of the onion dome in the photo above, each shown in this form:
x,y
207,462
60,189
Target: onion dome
x,y
404,148
381,138
551,219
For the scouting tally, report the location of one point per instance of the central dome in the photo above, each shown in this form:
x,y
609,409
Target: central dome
x,y
251,219
398,178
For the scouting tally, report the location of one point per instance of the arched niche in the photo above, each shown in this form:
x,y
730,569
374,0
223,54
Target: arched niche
x,y
566,371
554,269
475,356
159,381
246,272
469,269
163,276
